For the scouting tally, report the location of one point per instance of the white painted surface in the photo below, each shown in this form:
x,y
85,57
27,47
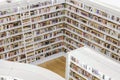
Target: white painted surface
x,y
5,1
26,71
113,4
97,61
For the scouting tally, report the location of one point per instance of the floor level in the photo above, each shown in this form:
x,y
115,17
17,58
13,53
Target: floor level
x,y
56,65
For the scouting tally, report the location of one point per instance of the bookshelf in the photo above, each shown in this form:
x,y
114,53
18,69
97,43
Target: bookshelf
x,y
34,25
90,66
31,31
94,26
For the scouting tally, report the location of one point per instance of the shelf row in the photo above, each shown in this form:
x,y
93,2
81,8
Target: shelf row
x,y
83,40
33,58
32,40
93,20
31,30
103,37
30,21
25,6
45,47
96,10
91,35
86,71
82,72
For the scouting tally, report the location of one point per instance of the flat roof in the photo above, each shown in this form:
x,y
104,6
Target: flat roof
x,y
97,61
